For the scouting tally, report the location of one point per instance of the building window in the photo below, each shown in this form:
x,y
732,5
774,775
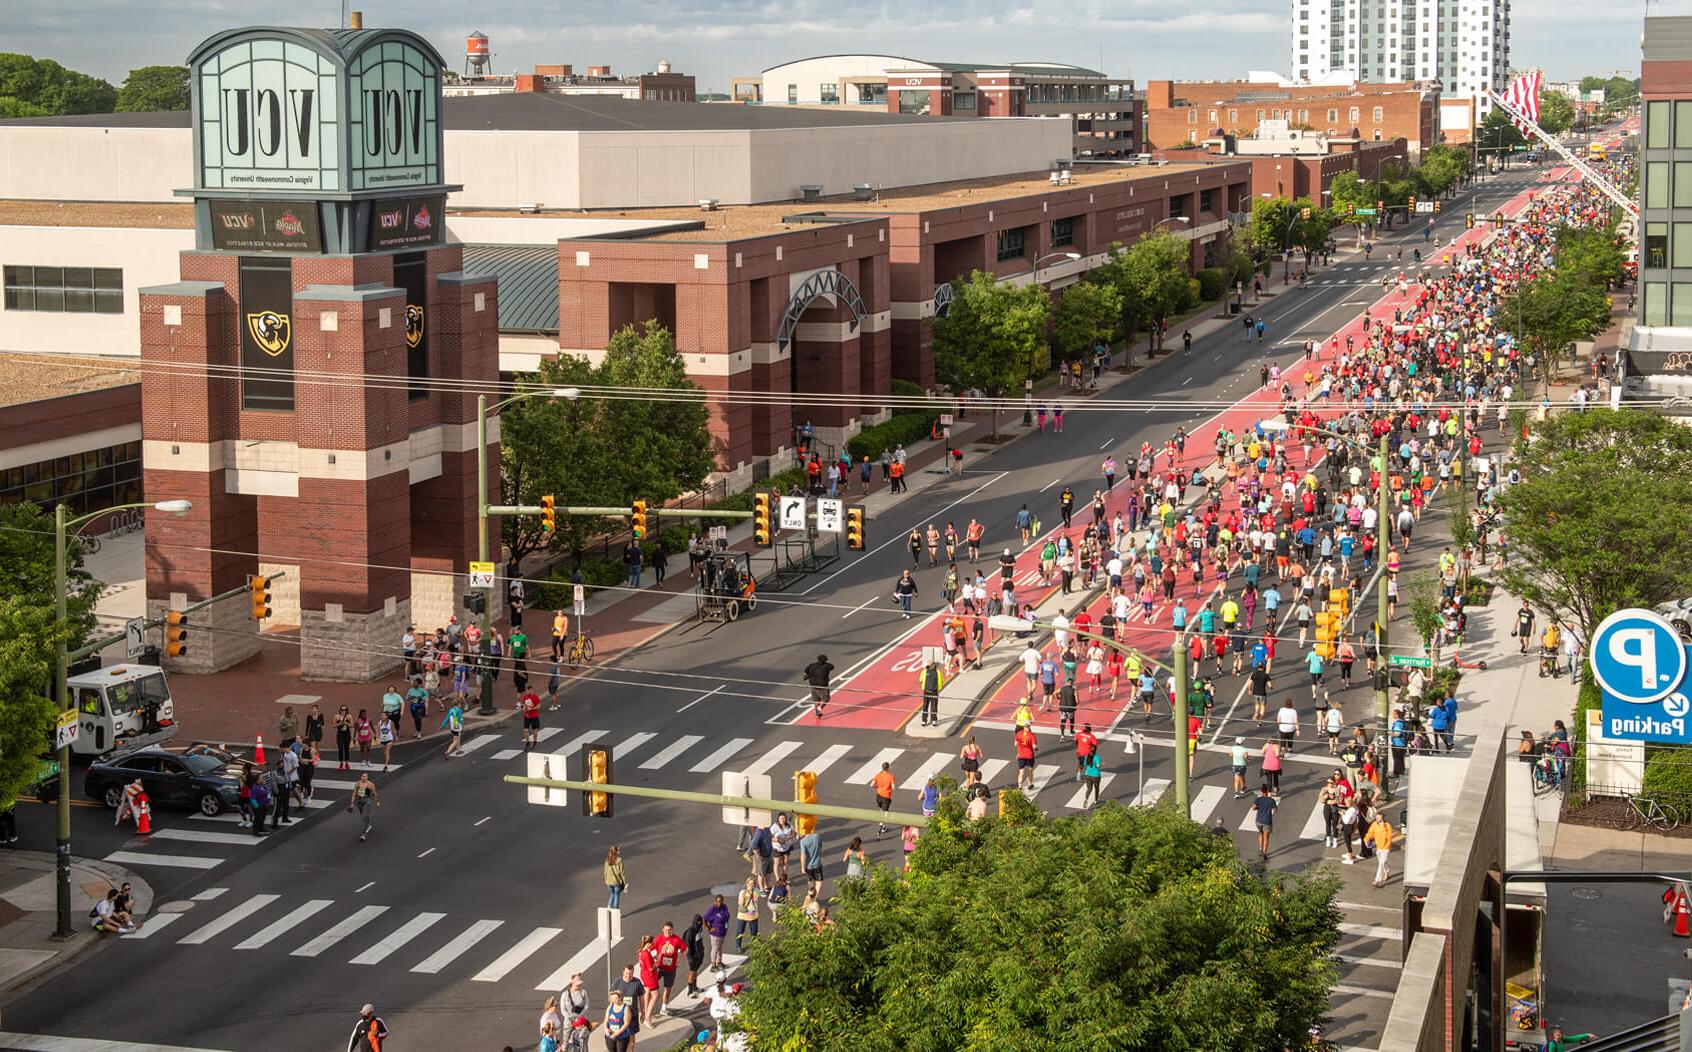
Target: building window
x,y
1355,113
1260,116
74,290
1233,117
792,94
651,95
1656,184
1192,116
963,102
1333,117
913,102
1304,116
872,94
1213,118
1656,245
1682,244
1207,201
1680,303
1656,125
1683,184
1011,243
1378,114
84,482
1682,125
1063,234
828,92
1656,303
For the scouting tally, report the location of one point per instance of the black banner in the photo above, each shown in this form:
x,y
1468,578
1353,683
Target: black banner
x,y
411,273
265,226
266,317
406,222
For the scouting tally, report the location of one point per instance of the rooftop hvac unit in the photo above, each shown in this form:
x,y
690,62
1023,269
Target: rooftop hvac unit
x,y
862,192
1054,179
1064,177
707,204
810,192
528,208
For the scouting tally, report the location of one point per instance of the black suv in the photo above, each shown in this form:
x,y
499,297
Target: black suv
x,y
199,780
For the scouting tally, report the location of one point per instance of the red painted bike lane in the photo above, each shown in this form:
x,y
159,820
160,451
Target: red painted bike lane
x,y
883,694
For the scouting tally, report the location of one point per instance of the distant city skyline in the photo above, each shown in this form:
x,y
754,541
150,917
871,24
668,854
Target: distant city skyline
x,y
715,41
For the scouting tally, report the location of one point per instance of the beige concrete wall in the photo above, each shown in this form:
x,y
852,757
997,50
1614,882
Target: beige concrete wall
x,y
94,164
146,256
500,169
810,74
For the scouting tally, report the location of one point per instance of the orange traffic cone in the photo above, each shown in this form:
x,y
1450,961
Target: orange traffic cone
x,y
1682,916
143,817
258,750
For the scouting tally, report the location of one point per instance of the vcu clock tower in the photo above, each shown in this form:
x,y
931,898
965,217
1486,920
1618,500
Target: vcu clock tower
x,y
310,382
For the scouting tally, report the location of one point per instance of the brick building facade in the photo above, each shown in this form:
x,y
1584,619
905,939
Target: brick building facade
x,y
1192,111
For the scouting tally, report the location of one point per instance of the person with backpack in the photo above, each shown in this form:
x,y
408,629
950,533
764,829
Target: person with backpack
x,y
369,1032
258,798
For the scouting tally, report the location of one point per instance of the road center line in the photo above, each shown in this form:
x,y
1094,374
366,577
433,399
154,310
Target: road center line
x,y
1049,485
700,698
366,887
431,851
485,820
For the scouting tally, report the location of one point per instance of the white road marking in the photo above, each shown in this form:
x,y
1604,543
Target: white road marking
x,y
154,924
578,962
521,951
862,775
294,918
426,853
485,820
928,769
1370,931
1049,485
860,606
1081,792
1361,991
478,741
547,732
1152,793
142,858
574,744
775,755
406,932
1315,827
363,916
990,770
365,888
700,698
198,836
633,742
673,750
228,920
51,1043
1205,801
209,894
466,939
508,754
721,756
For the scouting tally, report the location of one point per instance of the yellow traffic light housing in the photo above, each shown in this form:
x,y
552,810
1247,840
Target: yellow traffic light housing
x,y
549,514
176,633
805,792
1304,213
1437,206
596,762
259,589
1469,221
1380,204
855,528
762,535
637,519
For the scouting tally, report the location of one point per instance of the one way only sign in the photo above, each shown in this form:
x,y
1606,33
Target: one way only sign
x,y
547,765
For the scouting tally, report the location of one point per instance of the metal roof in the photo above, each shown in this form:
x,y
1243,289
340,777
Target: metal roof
x,y
528,283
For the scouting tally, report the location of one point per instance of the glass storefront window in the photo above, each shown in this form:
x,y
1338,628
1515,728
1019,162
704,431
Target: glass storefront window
x,y
84,482
913,102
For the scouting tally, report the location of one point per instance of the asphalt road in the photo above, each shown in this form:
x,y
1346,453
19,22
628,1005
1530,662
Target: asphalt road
x,y
467,903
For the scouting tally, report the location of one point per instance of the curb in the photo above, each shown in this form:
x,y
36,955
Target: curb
x,y
83,939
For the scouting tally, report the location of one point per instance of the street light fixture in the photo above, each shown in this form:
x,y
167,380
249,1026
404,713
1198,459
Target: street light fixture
x,y
62,529
1071,256
482,411
1383,543
1170,219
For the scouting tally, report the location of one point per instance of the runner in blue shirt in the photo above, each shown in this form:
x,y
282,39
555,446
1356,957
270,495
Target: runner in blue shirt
x,y
1271,602
1314,663
1207,620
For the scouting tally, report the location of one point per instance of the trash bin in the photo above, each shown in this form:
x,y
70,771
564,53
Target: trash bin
x,y
1234,307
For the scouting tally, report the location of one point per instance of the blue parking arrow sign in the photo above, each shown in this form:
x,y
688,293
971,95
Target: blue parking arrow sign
x,y
1641,664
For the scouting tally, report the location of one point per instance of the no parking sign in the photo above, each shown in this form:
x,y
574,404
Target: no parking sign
x,y
1641,665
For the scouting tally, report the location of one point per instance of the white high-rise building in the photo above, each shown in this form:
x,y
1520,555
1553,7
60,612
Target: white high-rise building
x,y
1463,45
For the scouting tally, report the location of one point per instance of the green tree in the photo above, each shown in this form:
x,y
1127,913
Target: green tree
x,y
1156,272
1498,130
1271,224
1554,310
28,632
1597,523
603,451
1619,92
152,89
991,337
1351,192
1556,112
1589,254
1424,596
1129,929
1086,315
49,88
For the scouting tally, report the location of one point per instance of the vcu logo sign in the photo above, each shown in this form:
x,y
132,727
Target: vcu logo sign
x,y
414,319
272,331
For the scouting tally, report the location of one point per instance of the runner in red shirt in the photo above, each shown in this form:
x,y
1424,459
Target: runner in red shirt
x,y
1086,743
1026,746
668,950
530,703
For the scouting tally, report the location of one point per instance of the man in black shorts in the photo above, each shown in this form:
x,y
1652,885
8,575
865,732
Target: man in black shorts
x,y
817,674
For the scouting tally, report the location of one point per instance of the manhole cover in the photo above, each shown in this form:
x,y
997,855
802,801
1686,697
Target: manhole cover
x,y
1586,893
179,906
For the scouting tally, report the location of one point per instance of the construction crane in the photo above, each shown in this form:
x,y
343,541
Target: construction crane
x,y
1587,172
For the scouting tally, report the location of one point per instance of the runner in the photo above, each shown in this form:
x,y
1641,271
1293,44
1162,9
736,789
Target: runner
x,y
530,705
1263,809
362,800
883,783
818,674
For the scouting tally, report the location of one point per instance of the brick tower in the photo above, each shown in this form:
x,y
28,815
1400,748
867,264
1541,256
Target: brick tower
x,y
305,379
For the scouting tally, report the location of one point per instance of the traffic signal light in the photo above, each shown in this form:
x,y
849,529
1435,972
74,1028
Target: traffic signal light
x,y
762,535
596,763
805,792
259,588
475,601
1380,204
176,633
855,528
1304,213
1437,206
637,519
1412,204
1469,221
549,514
1498,218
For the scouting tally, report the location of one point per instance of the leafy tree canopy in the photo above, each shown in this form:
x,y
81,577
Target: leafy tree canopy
x,y
1556,112
991,337
44,88
1127,929
153,89
1086,315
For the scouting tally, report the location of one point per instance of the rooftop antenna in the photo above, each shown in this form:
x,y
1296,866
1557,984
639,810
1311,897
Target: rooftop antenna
x,y
343,21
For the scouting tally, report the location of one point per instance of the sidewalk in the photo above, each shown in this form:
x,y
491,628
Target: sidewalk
x,y
29,909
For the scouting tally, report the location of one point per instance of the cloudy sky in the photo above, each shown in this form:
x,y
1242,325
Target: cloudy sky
x,y
719,39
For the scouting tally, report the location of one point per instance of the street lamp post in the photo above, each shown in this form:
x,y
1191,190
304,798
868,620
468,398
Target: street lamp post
x,y
62,528
482,411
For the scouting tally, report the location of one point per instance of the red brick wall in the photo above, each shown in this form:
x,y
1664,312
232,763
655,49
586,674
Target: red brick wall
x,y
68,416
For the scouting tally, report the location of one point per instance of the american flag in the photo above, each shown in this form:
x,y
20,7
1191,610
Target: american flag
x,y
1522,97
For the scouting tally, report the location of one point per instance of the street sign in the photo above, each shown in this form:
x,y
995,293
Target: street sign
x,y
482,576
831,514
792,513
134,638
1365,212
578,600
65,731
1641,665
1409,661
1424,208
756,786
547,765
610,925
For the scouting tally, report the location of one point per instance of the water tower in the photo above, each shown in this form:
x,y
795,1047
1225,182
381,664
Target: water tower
x,y
476,55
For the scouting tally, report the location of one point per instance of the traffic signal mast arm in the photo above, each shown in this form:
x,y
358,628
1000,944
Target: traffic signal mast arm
x,y
99,643
686,513
859,814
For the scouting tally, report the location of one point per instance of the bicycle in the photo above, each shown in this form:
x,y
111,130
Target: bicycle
x,y
1547,775
90,544
581,651
1651,811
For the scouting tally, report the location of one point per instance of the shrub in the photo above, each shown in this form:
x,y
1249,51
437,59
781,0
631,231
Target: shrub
x,y
906,389
1668,771
903,429
1212,282
780,482
556,592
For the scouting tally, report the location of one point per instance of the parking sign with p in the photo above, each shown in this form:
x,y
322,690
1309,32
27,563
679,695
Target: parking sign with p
x,y
1641,663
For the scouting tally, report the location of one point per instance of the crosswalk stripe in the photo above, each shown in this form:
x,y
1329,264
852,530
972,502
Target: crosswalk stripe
x,y
341,930
478,741
671,751
547,732
575,744
1152,793
507,754
721,756
202,836
929,768
578,962
457,947
830,756
1314,826
1205,802
521,951
293,919
146,858
1370,931
151,926
990,770
1043,774
1081,791
332,783
1248,824
317,803
862,775
228,920
776,753
406,932
633,742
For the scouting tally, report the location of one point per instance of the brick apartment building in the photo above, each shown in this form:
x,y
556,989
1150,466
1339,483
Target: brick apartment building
x,y
1192,111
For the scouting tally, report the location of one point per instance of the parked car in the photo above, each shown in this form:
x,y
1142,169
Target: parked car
x,y
199,780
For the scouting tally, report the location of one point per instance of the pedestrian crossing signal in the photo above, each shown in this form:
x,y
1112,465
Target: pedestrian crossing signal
x,y
259,588
1437,206
637,519
596,762
805,792
549,514
855,528
176,633
762,535
1469,221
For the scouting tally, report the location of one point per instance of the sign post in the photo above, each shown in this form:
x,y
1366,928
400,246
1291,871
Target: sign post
x,y
1641,665
1409,661
134,638
792,513
482,576
65,731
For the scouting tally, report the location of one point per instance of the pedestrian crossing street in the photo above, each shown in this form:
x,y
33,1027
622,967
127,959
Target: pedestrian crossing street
x,y
476,949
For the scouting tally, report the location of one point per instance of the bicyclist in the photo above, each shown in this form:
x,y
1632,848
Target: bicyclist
x,y
817,674
1550,642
